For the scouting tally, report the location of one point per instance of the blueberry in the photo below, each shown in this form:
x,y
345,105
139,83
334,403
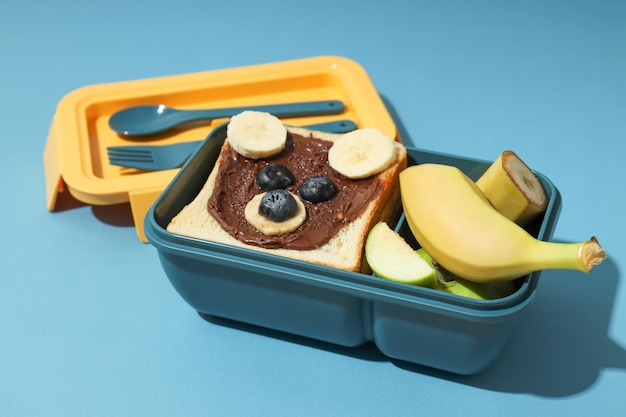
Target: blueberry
x,y
278,205
274,176
317,189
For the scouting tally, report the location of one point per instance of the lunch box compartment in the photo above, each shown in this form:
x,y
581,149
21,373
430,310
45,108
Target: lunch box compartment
x,y
407,323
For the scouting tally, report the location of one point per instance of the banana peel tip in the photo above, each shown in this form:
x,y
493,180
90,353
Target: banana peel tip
x,y
592,253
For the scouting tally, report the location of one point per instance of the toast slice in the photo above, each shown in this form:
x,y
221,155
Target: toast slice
x,y
344,250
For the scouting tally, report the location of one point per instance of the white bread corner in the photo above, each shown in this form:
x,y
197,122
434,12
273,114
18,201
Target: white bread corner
x,y
344,251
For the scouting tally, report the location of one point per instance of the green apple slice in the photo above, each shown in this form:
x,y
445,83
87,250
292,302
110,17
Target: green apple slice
x,y
391,257
448,282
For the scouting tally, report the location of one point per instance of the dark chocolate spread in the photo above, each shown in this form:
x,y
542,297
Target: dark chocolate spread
x,y
305,157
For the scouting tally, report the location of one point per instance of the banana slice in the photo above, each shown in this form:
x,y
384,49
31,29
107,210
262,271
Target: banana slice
x,y
362,153
513,188
268,226
255,134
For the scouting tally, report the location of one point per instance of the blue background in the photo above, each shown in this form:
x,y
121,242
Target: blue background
x,y
89,324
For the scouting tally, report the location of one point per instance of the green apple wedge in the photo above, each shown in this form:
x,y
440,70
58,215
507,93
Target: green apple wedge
x,y
391,257
448,282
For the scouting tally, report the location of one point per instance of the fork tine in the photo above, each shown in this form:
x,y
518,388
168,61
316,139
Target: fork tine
x,y
131,157
129,152
146,166
151,157
126,158
142,148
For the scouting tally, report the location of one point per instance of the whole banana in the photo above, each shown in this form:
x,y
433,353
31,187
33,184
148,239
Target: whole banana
x,y
454,222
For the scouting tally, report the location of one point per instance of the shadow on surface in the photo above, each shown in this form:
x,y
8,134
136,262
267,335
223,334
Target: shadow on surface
x,y
65,201
562,343
401,129
119,215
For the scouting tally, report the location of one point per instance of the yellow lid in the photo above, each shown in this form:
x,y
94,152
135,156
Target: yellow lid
x,y
75,156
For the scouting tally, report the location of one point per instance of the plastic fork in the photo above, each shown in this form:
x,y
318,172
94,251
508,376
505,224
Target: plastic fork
x,y
152,157
162,157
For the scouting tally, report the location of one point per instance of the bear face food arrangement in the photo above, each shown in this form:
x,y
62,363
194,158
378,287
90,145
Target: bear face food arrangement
x,y
307,195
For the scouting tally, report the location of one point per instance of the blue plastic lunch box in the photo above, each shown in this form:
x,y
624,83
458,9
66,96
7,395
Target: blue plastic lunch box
x,y
405,322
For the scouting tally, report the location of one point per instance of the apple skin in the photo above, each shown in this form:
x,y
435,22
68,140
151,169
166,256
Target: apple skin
x,y
453,284
391,257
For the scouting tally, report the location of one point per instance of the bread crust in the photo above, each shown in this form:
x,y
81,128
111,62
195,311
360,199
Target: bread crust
x,y
345,250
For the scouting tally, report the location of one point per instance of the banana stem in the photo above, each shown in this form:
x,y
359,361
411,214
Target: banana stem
x,y
582,256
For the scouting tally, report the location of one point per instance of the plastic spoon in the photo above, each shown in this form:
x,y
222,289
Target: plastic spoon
x,y
150,119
